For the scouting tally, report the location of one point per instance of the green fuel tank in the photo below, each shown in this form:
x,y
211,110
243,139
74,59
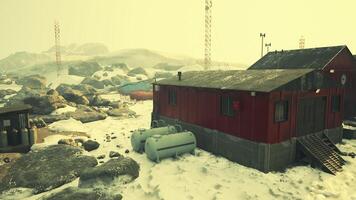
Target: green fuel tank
x,y
138,137
159,147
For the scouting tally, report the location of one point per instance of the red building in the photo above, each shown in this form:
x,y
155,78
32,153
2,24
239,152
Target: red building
x,y
256,117
336,62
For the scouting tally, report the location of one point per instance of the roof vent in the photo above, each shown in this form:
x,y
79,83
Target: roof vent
x,y
179,76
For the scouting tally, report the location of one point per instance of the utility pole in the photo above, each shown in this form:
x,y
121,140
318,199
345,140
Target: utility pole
x,y
268,45
262,35
207,54
301,42
57,46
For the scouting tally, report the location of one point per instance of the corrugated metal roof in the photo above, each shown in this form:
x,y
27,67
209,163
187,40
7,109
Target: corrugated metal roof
x,y
15,108
314,58
246,80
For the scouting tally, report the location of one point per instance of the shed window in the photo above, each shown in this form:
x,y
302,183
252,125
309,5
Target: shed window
x,y
7,123
281,111
336,103
226,106
172,97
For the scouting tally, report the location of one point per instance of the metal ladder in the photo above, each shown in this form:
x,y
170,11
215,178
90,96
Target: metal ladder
x,y
322,151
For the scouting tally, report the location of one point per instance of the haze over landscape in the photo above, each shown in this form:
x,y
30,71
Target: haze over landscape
x,y
177,26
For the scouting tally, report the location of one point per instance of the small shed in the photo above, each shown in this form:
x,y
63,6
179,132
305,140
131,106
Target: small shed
x,y
336,62
15,128
253,117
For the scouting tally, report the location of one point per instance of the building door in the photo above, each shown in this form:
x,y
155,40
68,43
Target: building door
x,y
311,115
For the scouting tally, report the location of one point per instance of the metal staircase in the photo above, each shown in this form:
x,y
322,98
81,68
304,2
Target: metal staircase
x,y
322,151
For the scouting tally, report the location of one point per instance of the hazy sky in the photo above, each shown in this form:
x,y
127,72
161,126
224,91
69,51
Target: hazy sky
x,y
177,26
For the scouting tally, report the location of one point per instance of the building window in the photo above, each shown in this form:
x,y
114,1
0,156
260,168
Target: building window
x,y
281,111
226,106
335,101
7,123
172,97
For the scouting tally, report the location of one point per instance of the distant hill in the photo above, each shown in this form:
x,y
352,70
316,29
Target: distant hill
x,y
87,49
139,58
22,59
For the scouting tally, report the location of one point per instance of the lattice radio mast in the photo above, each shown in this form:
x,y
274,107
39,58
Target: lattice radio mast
x,y
302,42
57,46
207,57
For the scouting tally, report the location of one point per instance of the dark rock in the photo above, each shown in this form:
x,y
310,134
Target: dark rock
x,y
47,168
119,80
101,156
136,71
127,151
87,116
6,160
93,82
74,193
101,162
107,82
72,95
67,142
121,66
119,112
84,69
44,105
114,154
125,169
33,82
97,100
90,145
52,92
4,93
113,137
53,118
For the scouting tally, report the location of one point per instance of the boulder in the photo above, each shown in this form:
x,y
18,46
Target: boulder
x,y
120,112
123,169
107,82
53,118
114,154
67,142
25,92
91,145
85,89
47,168
33,82
93,82
121,66
4,93
44,105
72,95
87,115
74,193
97,100
84,69
136,71
119,80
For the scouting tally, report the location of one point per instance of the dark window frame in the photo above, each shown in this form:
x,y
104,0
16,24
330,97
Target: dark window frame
x,y
172,97
226,106
336,103
281,111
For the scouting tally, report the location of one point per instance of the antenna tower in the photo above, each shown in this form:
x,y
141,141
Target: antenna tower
x,y
207,58
57,46
302,42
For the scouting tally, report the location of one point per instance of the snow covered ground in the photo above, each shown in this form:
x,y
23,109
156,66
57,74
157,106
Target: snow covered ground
x,y
208,177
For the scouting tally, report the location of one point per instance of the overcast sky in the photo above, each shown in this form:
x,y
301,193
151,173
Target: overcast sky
x,y
177,26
